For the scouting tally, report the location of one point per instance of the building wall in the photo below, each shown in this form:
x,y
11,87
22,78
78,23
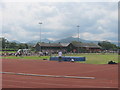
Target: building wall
x,y
70,48
37,47
50,49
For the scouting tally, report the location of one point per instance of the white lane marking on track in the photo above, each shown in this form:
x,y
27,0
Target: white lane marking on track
x,y
23,78
56,76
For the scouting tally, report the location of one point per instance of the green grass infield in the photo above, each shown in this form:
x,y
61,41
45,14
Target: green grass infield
x,y
90,58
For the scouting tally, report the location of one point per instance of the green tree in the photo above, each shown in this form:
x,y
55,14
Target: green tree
x,y
23,46
107,45
26,46
13,45
4,43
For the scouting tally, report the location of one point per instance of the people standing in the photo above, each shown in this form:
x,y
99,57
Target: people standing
x,y
60,56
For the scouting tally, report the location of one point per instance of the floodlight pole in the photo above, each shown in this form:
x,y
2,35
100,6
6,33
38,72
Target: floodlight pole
x,y
78,36
40,34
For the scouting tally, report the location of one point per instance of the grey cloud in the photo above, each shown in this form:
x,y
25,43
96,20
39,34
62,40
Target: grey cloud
x,y
60,19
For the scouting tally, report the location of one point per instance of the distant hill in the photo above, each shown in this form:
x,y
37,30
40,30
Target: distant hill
x,y
15,41
116,43
65,40
36,41
70,39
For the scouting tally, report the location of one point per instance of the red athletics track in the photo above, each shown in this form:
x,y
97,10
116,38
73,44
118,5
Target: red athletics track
x,y
106,75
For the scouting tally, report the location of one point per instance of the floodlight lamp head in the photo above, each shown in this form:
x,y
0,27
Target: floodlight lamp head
x,y
40,22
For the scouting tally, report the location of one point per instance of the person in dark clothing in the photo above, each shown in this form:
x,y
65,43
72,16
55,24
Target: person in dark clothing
x,y
112,62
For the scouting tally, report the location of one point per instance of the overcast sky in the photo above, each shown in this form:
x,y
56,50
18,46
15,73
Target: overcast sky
x,y
97,20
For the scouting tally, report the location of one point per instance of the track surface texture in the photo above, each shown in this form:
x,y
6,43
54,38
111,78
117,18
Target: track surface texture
x,y
106,76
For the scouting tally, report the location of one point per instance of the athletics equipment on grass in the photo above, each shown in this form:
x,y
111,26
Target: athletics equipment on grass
x,y
68,58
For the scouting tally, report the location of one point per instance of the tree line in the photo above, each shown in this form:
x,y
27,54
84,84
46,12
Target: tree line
x,y
7,45
108,45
